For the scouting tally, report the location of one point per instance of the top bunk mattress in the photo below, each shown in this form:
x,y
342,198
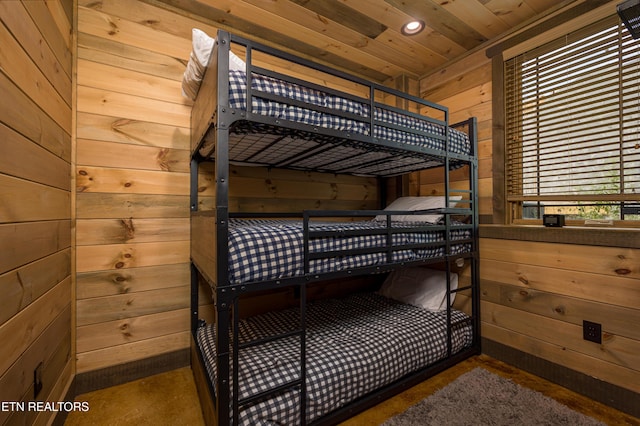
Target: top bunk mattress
x,y
328,132
277,120
330,111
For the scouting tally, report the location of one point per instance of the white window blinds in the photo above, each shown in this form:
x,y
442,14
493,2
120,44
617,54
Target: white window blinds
x,y
573,125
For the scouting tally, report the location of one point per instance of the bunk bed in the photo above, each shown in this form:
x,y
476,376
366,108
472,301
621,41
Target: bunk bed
x,y
322,360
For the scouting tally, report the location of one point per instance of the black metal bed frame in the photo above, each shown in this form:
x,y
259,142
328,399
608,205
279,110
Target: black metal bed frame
x,y
220,130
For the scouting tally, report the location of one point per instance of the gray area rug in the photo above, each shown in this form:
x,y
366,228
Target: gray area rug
x,y
483,398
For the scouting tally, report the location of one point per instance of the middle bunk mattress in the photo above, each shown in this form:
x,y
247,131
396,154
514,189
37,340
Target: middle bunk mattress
x,y
262,249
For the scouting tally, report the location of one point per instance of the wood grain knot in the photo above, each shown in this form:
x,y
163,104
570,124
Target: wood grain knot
x,y
119,265
120,279
523,280
623,271
129,228
560,310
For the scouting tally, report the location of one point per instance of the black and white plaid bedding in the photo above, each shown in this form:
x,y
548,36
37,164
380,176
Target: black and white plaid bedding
x,y
354,346
272,249
459,141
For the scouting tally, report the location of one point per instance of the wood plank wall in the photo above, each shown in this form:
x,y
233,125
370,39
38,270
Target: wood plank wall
x,y
132,184
35,203
536,294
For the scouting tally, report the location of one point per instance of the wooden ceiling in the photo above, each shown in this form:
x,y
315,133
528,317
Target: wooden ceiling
x,y
363,36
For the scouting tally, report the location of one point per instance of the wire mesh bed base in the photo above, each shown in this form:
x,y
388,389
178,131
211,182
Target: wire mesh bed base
x,y
260,144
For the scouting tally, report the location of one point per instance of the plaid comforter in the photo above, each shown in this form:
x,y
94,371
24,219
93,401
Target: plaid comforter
x,y
271,249
354,346
459,141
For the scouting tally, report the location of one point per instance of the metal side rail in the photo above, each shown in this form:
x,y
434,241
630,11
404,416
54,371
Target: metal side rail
x,y
300,382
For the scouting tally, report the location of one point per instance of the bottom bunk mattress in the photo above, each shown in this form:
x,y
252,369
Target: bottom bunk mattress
x,y
354,346
261,250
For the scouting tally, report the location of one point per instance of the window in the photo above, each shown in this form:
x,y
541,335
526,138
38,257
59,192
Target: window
x,y
573,127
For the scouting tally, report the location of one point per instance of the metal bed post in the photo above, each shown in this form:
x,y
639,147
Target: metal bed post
x,y
193,201
303,354
447,232
475,260
223,297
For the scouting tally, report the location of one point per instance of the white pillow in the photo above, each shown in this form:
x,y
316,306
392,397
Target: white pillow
x,y
235,63
419,286
419,203
202,46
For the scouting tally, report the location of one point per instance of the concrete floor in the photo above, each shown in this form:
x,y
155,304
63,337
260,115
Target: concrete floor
x,y
171,399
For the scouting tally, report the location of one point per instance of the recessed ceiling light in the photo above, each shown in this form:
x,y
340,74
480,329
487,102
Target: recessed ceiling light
x,y
413,27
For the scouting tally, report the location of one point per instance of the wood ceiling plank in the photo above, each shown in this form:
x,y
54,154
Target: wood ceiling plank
x,y
338,12
477,16
513,13
540,6
440,20
421,59
394,19
337,36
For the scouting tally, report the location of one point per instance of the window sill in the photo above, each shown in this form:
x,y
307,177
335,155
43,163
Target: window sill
x,y
608,237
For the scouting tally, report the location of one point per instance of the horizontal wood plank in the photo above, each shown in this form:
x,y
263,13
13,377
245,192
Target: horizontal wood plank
x,y
627,378
115,79
109,154
109,52
101,358
620,291
22,158
131,181
55,25
615,320
116,205
27,201
26,117
123,281
23,243
130,305
20,69
56,65
129,230
136,34
131,255
103,102
23,285
609,261
19,333
18,379
118,332
131,132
